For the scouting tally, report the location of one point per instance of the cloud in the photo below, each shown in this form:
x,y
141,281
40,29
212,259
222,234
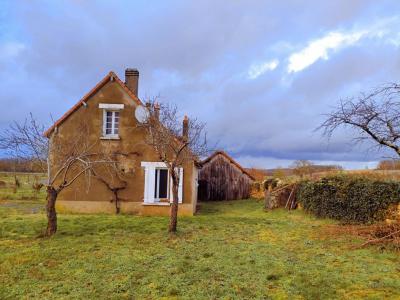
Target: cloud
x,y
257,70
225,64
9,50
320,48
334,41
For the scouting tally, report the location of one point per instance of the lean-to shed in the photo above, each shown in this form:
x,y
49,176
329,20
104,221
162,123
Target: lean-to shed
x,y
222,178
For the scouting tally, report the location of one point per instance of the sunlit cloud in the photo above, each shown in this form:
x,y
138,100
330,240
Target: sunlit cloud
x,y
257,70
321,48
395,40
385,30
10,49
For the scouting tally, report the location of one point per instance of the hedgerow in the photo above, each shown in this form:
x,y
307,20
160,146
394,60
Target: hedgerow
x,y
348,198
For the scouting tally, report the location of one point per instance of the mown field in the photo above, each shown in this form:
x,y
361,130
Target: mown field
x,y
231,250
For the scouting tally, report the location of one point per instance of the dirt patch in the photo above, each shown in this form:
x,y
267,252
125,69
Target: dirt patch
x,y
382,234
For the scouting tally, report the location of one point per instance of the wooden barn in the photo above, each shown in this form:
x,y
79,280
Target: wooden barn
x,y
222,178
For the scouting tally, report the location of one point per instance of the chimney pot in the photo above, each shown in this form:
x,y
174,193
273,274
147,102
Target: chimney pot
x,y
185,129
132,80
157,111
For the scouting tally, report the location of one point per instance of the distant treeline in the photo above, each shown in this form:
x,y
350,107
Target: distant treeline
x,y
389,165
18,165
300,167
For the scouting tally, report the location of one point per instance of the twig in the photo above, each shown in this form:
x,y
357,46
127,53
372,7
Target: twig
x,y
294,197
287,202
379,239
280,189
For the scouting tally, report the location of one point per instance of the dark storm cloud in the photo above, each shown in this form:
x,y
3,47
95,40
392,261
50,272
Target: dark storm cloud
x,y
198,55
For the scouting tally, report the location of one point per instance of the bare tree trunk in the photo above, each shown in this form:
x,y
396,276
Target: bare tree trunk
x,y
117,204
51,211
173,221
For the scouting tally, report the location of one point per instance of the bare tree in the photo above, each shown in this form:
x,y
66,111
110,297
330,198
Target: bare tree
x,y
113,176
70,159
389,165
25,143
175,144
302,168
375,116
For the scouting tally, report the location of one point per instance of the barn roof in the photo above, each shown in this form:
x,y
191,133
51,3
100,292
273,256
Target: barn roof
x,y
223,153
110,76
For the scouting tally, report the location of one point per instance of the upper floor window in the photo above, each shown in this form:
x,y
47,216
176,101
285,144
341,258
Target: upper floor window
x,y
111,118
111,123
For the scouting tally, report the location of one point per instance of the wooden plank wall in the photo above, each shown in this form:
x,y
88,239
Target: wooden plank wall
x,y
219,179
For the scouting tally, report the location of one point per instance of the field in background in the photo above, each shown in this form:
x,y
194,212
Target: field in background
x,y
231,250
20,186
261,174
377,174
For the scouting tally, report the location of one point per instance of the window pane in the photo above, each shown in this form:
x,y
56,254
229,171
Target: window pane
x,y
156,185
116,127
163,186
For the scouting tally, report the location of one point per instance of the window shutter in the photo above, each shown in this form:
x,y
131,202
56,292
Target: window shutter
x,y
180,190
146,184
171,196
151,173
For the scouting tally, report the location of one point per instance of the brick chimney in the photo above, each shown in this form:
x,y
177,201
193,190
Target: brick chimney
x,y
185,129
132,80
157,111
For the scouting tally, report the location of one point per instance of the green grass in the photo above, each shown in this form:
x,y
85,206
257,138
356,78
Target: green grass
x,y
231,250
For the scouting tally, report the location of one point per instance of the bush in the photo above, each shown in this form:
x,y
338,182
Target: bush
x,y
348,198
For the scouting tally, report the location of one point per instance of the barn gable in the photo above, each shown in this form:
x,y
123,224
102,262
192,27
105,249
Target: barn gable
x,y
222,178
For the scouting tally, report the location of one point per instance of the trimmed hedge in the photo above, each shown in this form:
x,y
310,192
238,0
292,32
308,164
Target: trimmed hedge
x,y
348,198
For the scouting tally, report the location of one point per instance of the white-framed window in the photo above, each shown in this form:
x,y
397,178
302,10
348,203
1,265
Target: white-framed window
x,y
158,183
111,123
111,120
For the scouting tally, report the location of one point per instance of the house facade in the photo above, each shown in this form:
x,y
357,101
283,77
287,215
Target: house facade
x,y
109,111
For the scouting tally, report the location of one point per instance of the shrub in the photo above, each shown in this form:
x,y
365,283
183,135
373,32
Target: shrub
x,y
348,198
270,182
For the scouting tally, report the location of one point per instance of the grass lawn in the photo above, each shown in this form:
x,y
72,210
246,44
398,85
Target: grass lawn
x,y
231,250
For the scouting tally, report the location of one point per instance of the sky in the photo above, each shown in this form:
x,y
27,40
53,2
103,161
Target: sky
x,y
260,74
